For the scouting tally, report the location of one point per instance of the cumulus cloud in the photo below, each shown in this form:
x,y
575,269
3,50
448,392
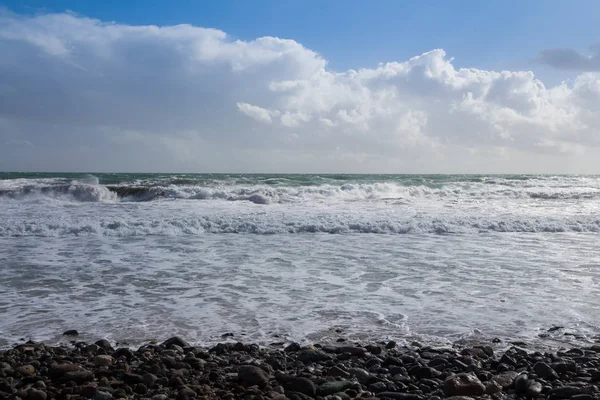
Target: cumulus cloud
x,y
569,59
258,113
94,95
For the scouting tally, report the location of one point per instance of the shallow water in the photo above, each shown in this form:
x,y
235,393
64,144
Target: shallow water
x,y
410,258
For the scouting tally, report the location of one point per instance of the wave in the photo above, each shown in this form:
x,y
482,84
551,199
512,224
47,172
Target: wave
x,y
266,224
73,192
267,195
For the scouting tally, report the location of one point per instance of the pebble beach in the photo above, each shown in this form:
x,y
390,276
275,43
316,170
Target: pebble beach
x,y
174,369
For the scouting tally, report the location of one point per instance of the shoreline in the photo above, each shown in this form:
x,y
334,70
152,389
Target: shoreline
x,y
344,370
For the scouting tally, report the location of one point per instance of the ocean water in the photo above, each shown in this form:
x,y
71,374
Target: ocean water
x,y
274,258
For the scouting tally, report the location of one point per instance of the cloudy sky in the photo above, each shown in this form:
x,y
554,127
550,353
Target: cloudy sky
x,y
276,86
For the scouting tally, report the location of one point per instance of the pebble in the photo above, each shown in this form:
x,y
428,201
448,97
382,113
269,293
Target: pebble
x,y
506,379
298,384
360,375
102,396
534,389
521,383
545,371
492,387
149,379
177,341
399,396
79,376
334,387
103,360
463,384
26,370
308,356
338,372
251,375
34,394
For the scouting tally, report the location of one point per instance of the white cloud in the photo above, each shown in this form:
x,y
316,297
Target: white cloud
x,y
189,98
256,112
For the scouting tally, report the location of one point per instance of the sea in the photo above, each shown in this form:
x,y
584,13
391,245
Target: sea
x,y
438,259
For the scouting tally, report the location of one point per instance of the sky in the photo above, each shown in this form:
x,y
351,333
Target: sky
x,y
300,86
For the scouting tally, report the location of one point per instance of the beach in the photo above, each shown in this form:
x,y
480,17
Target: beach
x,y
344,370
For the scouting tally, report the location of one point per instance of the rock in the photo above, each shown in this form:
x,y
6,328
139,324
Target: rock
x,y
458,398
298,396
103,360
334,387
298,385
34,394
576,352
140,388
508,360
582,396
58,370
123,352
149,380
390,345
26,370
504,368
534,389
545,371
186,393
354,351
565,392
437,362
176,340
521,383
341,396
89,390
375,350
595,376
71,332
92,348
427,372
292,348
132,379
399,396
102,396
492,387
104,344
338,372
463,385
474,352
308,356
250,375
488,350
361,375
81,376
160,397
378,387
506,379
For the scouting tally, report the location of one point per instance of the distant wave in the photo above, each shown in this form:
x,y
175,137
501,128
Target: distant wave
x,y
261,194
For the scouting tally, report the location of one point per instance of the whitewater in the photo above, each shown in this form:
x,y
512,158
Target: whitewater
x,y
435,258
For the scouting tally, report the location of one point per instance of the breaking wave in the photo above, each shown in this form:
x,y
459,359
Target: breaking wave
x,y
92,192
267,224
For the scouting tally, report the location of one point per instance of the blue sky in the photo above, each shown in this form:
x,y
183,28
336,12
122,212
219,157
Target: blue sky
x,y
352,34
300,86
